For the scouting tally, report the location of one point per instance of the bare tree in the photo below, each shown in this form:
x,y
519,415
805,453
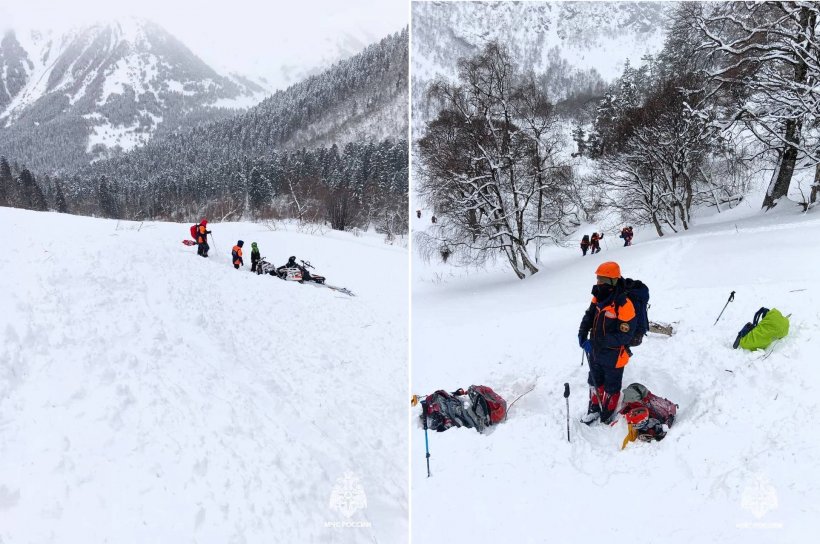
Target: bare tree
x,y
489,166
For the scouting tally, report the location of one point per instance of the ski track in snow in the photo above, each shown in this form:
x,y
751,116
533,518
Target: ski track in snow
x,y
740,437
149,395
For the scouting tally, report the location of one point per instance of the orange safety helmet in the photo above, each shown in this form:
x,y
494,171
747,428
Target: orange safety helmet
x,y
609,269
637,415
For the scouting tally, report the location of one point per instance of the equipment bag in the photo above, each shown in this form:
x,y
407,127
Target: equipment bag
x,y
767,326
444,410
664,410
193,231
638,293
487,404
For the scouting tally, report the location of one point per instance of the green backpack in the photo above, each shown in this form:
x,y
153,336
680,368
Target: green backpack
x,y
768,326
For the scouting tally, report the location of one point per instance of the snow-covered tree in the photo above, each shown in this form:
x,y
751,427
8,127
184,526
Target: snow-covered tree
x,y
489,165
766,57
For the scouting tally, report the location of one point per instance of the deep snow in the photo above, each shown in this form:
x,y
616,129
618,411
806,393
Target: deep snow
x,y
740,464
149,395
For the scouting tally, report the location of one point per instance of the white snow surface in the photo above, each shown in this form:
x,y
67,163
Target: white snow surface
x,y
150,395
740,463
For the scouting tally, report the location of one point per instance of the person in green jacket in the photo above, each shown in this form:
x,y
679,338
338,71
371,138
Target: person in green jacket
x,y
768,326
255,258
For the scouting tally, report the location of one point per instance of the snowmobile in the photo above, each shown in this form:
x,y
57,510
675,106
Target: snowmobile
x,y
298,273
264,267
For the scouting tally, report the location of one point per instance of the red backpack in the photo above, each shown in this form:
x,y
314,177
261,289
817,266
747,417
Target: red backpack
x,y
487,404
193,231
660,408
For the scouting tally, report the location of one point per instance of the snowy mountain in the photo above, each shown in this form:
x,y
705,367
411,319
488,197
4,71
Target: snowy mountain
x,y
150,395
67,99
359,100
595,38
738,465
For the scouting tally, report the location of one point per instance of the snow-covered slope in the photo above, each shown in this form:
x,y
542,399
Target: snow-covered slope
x,y
740,464
149,395
108,86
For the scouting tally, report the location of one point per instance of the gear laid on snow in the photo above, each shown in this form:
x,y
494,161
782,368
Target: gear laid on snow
x,y
648,416
477,408
766,327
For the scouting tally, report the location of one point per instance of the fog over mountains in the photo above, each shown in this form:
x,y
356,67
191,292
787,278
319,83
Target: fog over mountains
x,y
573,46
66,99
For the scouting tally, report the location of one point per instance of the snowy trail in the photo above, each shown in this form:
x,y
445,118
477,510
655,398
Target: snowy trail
x,y
148,395
745,432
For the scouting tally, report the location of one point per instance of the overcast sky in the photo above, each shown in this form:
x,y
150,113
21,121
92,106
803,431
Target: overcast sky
x,y
253,37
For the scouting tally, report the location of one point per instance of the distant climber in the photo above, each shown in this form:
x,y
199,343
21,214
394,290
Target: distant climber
x,y
236,255
585,244
202,233
418,214
596,242
627,234
605,333
255,256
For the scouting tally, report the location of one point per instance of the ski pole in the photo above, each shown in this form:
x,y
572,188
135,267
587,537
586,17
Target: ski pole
x,y
426,443
731,298
566,396
213,241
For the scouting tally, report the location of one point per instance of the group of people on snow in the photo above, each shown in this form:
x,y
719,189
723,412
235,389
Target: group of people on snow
x,y
593,243
200,232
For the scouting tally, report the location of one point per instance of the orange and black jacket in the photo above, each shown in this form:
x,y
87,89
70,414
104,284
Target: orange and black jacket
x,y
610,324
202,234
237,255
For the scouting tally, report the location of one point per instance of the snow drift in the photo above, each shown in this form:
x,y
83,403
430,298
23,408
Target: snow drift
x,y
738,466
150,395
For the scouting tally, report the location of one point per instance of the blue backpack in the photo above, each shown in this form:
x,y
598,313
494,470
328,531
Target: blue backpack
x,y
638,293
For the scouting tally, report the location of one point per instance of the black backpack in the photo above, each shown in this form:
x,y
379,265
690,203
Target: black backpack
x,y
638,293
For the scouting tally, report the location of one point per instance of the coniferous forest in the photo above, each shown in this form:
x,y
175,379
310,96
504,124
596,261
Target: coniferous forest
x,y
331,149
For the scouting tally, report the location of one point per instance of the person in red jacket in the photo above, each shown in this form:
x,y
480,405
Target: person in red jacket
x,y
202,233
596,242
605,333
236,255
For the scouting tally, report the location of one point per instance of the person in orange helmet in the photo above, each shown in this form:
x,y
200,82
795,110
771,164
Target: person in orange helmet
x,y
605,333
